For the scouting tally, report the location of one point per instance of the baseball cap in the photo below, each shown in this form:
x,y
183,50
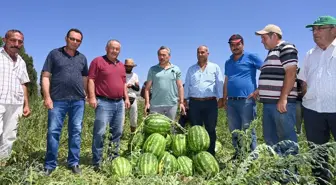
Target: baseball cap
x,y
236,38
323,20
268,29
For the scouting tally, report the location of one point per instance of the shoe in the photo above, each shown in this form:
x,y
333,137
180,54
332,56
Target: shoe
x,y
48,172
75,169
96,168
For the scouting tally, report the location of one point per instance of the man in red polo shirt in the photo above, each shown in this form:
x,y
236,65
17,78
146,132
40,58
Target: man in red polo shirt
x,y
107,89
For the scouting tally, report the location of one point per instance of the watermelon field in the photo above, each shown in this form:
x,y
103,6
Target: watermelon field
x,y
148,164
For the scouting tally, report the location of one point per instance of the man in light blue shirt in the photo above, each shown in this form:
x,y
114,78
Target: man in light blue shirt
x,y
203,86
164,82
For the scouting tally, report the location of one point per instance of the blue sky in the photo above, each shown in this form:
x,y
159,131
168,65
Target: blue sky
x,y
143,26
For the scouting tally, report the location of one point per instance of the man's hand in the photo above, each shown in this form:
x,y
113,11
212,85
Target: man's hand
x,y
147,106
182,109
127,103
254,95
48,103
222,103
281,105
26,111
129,85
93,102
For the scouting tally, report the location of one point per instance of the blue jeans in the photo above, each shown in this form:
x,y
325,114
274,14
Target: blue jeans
x,y
56,116
240,115
112,112
205,113
279,126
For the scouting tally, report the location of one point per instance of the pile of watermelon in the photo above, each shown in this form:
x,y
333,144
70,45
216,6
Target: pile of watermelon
x,y
161,150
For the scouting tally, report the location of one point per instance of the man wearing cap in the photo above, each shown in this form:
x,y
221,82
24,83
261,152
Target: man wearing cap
x,y
132,82
277,87
240,82
203,86
164,81
319,76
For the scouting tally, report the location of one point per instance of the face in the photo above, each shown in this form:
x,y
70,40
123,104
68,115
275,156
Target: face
x,y
74,40
163,56
128,68
323,35
268,41
113,50
237,48
13,43
202,53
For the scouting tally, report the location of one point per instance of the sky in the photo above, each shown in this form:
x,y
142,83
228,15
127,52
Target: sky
x,y
143,26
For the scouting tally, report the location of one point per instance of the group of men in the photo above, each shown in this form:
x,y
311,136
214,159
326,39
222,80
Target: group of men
x,y
110,87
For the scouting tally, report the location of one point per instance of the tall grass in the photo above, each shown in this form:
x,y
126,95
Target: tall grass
x,y
262,166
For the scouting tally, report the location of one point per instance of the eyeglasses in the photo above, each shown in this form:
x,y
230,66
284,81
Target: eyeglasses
x,y
319,28
16,40
73,39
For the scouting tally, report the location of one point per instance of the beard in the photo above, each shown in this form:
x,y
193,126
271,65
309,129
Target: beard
x,y
128,71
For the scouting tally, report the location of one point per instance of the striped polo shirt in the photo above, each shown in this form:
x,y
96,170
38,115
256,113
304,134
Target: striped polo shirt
x,y
273,73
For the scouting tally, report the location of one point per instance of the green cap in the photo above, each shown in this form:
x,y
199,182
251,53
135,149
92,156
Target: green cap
x,y
323,20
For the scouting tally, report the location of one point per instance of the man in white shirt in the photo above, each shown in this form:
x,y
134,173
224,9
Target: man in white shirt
x,y
132,82
319,77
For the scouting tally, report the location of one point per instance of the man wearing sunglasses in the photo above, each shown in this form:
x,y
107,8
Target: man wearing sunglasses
x,y
13,91
319,85
64,85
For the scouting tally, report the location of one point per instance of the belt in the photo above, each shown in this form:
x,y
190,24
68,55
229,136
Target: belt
x,y
203,99
236,98
109,99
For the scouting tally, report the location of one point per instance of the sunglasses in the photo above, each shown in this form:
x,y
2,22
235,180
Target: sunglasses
x,y
73,39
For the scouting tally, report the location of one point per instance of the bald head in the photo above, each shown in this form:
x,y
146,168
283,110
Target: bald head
x,y
202,53
113,49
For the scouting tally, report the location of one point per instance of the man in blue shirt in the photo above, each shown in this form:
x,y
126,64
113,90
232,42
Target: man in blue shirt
x,y
240,82
203,85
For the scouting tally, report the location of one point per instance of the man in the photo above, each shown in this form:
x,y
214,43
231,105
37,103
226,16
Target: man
x,y
319,76
203,85
277,87
64,85
240,82
132,82
164,80
108,96
13,91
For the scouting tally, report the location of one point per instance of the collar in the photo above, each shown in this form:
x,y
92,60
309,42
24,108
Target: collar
x,y
231,57
61,49
2,50
281,42
171,66
109,61
333,44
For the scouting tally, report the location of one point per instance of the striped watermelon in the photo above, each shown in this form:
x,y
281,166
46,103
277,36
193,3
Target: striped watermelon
x,y
155,144
198,139
169,141
185,166
121,167
147,164
157,123
206,164
179,145
168,164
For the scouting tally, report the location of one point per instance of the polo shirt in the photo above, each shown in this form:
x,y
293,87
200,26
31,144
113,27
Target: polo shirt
x,y
164,88
241,74
12,75
67,74
109,78
273,72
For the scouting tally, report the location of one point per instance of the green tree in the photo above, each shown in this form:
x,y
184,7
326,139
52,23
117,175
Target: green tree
x,y
32,86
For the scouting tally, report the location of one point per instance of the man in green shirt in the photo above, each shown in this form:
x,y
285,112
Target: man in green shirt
x,y
167,88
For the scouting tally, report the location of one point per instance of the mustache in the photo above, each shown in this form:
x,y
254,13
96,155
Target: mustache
x,y
15,47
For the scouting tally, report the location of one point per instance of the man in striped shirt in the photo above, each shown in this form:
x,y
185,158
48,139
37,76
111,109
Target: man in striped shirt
x,y
13,90
277,87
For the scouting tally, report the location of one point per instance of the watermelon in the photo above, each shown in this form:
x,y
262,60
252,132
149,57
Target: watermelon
x,y
185,166
155,144
206,164
179,145
147,164
198,139
157,123
121,167
169,141
168,164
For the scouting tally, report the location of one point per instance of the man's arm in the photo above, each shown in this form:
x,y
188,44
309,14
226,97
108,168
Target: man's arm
x,y
85,82
147,89
289,82
26,109
46,90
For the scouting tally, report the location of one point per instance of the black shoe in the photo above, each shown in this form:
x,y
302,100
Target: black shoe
x,y
47,172
96,168
75,169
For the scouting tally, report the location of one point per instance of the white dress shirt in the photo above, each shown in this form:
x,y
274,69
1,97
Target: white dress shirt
x,y
319,72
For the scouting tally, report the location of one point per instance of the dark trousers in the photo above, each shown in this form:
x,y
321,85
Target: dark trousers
x,y
184,119
318,127
205,113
